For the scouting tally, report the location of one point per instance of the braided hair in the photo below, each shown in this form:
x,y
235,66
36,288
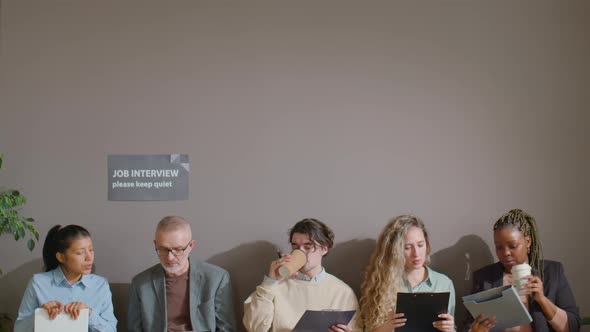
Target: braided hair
x,y
527,225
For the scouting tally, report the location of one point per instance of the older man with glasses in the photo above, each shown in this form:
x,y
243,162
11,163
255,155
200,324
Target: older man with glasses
x,y
180,294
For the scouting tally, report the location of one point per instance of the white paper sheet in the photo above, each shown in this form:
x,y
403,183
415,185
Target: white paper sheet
x,y
63,322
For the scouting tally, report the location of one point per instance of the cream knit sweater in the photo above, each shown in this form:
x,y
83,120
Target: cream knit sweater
x,y
278,307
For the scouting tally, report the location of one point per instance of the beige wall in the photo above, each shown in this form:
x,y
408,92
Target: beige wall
x,y
350,112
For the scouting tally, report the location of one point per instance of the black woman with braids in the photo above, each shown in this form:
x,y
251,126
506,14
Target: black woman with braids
x,y
551,302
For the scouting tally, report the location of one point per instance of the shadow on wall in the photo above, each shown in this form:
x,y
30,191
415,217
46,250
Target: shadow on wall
x,y
348,261
458,262
13,285
247,264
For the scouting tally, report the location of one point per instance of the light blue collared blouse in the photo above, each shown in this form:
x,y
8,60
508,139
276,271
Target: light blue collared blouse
x,y
434,282
48,286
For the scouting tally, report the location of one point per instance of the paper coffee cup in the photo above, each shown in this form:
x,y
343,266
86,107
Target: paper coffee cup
x,y
298,259
518,272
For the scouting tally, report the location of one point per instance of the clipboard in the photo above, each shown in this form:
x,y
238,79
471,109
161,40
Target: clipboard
x,y
421,309
321,320
62,322
503,303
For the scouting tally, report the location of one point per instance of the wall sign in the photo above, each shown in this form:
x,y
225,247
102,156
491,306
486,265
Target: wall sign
x,y
143,177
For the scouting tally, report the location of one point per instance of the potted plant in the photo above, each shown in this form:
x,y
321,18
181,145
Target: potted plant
x,y
14,224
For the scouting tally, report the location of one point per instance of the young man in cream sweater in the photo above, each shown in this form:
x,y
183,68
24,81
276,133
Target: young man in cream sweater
x,y
278,303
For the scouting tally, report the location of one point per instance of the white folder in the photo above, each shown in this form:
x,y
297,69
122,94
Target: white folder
x,y
503,303
62,322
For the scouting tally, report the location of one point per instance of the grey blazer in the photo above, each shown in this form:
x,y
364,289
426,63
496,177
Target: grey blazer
x,y
211,299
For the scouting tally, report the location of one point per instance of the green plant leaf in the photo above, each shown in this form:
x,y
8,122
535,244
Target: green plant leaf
x,y
11,221
31,244
21,231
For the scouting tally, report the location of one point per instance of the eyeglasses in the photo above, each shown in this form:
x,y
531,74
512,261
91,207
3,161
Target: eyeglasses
x,y
306,247
175,252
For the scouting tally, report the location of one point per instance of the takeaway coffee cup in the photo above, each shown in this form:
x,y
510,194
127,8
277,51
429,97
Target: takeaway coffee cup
x,y
518,272
298,259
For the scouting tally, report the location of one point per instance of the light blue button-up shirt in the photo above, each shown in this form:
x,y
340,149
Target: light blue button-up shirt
x,y
434,282
48,286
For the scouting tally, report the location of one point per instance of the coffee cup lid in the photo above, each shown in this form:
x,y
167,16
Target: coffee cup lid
x,y
523,266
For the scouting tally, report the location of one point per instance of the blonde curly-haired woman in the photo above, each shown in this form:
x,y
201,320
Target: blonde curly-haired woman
x,y
400,264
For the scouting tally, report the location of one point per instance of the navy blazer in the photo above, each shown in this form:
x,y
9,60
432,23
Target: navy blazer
x,y
555,287
210,300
